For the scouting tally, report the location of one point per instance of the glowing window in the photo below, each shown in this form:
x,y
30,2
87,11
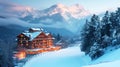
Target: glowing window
x,y
21,35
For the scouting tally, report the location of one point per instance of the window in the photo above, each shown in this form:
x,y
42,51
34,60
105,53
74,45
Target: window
x,y
21,35
26,41
21,41
26,44
24,38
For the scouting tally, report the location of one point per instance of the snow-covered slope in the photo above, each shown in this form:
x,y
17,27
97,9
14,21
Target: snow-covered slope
x,y
73,57
110,56
110,59
70,57
107,64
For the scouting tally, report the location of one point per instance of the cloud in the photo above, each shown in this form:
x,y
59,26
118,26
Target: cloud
x,y
11,21
6,3
16,21
11,9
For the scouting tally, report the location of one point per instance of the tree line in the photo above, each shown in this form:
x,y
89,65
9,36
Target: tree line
x,y
98,34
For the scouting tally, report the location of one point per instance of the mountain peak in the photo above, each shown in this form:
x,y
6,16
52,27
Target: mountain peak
x,y
60,5
78,5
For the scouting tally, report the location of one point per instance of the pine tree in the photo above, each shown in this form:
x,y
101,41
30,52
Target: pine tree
x,y
113,20
58,37
106,24
106,30
116,28
89,36
96,50
86,37
118,21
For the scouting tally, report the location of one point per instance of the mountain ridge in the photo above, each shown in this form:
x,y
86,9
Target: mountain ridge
x,y
58,13
58,16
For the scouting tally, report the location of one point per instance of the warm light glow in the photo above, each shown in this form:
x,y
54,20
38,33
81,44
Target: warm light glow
x,y
54,48
21,35
20,55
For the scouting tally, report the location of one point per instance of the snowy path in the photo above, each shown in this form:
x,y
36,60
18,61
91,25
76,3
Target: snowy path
x,y
70,57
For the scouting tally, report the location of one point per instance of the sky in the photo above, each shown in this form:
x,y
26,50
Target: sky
x,y
91,5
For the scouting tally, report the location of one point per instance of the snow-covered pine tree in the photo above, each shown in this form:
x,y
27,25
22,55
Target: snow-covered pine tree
x,y
86,37
105,23
118,21
91,34
116,28
96,49
113,20
106,30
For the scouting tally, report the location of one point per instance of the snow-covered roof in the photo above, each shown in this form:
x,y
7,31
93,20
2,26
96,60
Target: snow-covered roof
x,y
32,35
39,29
47,34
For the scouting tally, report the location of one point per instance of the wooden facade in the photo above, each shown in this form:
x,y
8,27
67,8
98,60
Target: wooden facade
x,y
23,41
40,40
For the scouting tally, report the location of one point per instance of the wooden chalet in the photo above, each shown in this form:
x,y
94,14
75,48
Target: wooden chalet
x,y
35,38
34,41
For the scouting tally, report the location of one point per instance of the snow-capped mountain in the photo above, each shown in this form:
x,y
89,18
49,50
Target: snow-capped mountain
x,y
56,17
57,13
75,11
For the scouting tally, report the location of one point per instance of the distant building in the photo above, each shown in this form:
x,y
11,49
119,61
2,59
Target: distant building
x,y
35,38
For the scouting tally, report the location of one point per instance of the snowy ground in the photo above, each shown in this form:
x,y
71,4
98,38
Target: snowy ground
x,y
73,57
110,59
70,57
107,64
